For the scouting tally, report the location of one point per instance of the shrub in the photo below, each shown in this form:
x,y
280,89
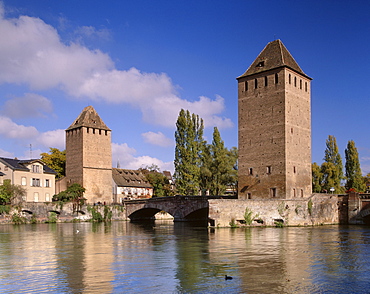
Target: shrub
x,y
18,219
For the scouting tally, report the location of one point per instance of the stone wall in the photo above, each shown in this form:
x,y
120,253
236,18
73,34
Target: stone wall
x,y
316,210
64,212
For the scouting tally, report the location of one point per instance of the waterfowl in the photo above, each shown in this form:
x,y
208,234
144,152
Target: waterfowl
x,y
228,277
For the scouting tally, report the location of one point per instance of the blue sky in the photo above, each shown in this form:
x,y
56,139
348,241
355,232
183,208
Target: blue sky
x,y
139,62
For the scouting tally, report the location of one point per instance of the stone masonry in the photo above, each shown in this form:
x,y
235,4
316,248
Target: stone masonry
x,y
274,127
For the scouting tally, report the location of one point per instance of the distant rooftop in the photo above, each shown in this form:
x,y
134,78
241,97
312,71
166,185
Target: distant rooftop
x,y
274,55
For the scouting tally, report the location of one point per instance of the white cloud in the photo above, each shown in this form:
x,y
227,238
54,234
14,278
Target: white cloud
x,y
7,154
31,52
91,32
11,130
55,139
124,154
157,139
30,105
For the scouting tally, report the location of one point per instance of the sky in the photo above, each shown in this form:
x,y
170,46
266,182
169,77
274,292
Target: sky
x,y
139,62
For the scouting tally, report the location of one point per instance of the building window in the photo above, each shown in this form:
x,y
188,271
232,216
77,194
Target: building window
x,y
36,168
36,197
301,192
268,169
251,171
246,86
47,197
24,181
272,192
295,81
249,195
35,182
294,195
266,81
276,78
305,86
300,84
290,79
255,83
47,183
5,168
294,170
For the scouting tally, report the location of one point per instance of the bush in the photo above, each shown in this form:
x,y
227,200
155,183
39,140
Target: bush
x,y
5,209
18,219
52,218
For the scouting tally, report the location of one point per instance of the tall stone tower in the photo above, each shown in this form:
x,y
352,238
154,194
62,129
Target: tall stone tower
x,y
89,156
274,107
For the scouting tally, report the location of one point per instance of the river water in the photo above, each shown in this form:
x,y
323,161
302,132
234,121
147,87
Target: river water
x,y
167,257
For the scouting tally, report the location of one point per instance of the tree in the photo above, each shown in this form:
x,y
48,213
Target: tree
x,y
317,178
56,160
74,194
189,143
161,184
353,170
11,194
367,182
332,168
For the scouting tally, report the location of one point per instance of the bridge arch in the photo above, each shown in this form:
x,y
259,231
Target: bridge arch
x,y
182,208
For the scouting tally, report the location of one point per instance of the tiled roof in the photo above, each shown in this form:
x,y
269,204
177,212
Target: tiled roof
x,y
2,174
17,164
274,55
130,178
89,118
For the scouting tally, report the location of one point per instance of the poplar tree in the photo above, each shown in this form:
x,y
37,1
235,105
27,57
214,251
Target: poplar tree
x,y
332,168
316,178
189,142
220,166
353,170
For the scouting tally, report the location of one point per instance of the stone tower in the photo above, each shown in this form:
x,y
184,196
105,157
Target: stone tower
x,y
274,119
89,156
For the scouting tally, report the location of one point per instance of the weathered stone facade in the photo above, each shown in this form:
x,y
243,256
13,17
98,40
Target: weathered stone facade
x,y
89,156
274,127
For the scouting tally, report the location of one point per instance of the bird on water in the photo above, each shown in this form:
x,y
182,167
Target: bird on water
x,y
228,277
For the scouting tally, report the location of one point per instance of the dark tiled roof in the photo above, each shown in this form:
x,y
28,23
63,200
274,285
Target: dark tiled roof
x,y
274,55
17,164
130,178
14,164
89,118
2,174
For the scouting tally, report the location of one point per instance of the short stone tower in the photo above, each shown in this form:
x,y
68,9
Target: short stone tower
x,y
274,104
89,156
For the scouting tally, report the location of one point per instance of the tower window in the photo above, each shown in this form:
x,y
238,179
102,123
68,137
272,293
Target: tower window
x,y
300,84
294,169
261,64
290,79
251,171
266,81
246,86
255,83
87,129
294,194
93,131
268,169
305,86
295,81
276,78
272,192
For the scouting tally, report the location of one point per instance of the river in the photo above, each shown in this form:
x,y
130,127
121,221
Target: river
x,y
167,257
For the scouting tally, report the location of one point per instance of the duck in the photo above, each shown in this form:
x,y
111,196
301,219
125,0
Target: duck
x,y
228,277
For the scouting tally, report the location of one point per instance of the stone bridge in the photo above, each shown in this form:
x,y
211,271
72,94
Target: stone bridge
x,y
182,208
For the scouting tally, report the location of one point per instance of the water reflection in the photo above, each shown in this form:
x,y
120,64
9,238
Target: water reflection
x,y
166,257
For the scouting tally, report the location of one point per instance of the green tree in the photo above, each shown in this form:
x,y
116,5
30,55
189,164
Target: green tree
x,y
367,182
56,160
161,184
332,168
317,178
189,142
11,194
353,169
74,194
